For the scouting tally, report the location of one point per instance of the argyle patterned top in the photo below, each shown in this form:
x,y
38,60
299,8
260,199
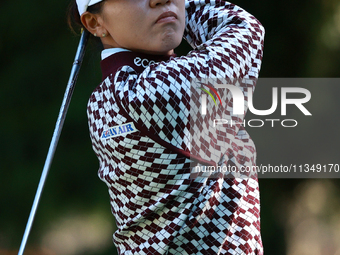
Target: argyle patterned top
x,y
145,130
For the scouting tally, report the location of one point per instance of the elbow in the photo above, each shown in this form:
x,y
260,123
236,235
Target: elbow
x,y
262,33
257,33
259,29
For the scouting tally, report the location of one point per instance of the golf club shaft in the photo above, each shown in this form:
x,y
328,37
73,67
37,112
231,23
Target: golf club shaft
x,y
56,134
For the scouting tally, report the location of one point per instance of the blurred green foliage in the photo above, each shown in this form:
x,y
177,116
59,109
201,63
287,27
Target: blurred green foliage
x,y
37,51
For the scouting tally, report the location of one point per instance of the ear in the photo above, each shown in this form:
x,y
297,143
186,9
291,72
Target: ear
x,y
92,22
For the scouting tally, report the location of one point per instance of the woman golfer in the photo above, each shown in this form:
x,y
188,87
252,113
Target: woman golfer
x,y
145,124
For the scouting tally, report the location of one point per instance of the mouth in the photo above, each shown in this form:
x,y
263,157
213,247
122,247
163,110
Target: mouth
x,y
165,17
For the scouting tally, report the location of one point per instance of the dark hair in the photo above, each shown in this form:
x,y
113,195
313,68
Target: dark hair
x,y
73,17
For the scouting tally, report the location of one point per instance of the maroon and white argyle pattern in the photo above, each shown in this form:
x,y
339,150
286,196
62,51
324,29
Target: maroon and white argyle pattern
x,y
146,137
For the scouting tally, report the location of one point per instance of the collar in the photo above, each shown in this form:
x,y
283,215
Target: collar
x,y
138,61
108,52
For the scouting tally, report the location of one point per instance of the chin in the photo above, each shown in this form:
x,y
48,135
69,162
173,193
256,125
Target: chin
x,y
162,49
170,44
164,46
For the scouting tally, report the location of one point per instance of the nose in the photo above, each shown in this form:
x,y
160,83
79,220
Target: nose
x,y
155,3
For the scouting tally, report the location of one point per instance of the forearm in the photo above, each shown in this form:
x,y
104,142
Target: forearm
x,y
208,21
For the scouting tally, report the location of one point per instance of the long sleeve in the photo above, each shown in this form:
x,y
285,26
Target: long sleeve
x,y
146,129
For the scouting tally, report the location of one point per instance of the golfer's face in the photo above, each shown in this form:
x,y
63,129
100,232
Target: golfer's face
x,y
151,26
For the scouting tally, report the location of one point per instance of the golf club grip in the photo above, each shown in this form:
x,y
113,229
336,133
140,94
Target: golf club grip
x,y
56,134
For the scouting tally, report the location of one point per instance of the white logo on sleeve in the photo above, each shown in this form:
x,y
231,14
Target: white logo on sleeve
x,y
120,130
